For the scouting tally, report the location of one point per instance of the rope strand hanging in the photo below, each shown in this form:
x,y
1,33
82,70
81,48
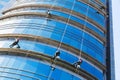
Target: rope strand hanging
x,y
83,32
48,11
59,46
66,26
17,40
79,62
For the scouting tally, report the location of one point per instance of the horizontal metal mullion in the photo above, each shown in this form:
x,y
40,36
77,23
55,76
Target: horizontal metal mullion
x,y
43,57
62,19
54,43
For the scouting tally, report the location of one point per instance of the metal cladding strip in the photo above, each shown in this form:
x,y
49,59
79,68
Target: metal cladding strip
x,y
43,57
22,71
58,9
76,24
54,43
13,73
99,2
9,77
88,2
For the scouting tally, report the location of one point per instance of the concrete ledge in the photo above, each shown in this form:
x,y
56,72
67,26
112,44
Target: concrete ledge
x,y
53,43
43,57
74,23
58,9
88,2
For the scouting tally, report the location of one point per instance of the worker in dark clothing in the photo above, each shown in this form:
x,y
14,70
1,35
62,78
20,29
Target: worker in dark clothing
x,y
48,13
78,63
15,43
98,12
57,55
18,46
102,8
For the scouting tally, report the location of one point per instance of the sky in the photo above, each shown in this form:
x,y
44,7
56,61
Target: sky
x,y
116,31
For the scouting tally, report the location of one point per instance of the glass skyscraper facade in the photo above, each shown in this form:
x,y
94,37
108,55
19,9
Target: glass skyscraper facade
x,y
46,39
2,4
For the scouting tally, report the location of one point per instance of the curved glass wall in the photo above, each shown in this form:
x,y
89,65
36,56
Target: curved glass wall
x,y
72,36
24,68
79,7
16,67
49,50
62,14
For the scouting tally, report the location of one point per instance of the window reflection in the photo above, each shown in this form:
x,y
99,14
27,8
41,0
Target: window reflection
x,y
40,72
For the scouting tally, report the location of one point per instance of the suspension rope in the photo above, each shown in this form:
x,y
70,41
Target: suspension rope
x,y
46,16
66,26
59,46
83,33
26,55
50,74
53,4
51,7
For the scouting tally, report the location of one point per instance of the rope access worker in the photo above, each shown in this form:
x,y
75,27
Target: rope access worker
x,y
78,63
57,55
48,13
15,43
